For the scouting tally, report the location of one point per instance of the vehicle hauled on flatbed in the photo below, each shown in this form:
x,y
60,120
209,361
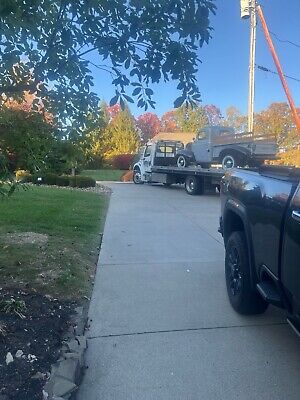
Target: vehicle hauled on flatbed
x,y
221,145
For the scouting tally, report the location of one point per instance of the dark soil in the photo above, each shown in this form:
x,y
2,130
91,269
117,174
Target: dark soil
x,y
38,335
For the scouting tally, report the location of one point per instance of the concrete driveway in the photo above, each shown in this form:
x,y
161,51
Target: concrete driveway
x,y
162,328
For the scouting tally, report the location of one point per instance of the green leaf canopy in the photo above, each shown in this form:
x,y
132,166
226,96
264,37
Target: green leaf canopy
x,y
49,47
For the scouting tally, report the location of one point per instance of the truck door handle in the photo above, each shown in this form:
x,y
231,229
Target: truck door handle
x,y
296,215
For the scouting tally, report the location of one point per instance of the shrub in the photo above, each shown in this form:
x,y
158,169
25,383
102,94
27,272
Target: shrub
x,y
37,178
72,180
45,178
49,178
62,180
23,176
82,181
123,161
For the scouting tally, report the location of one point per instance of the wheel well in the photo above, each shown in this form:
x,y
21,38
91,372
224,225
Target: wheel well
x,y
233,223
136,168
232,152
185,153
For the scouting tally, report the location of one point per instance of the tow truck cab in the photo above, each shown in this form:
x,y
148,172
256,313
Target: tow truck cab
x,y
161,153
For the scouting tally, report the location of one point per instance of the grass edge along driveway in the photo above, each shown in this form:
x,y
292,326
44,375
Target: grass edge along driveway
x,y
49,240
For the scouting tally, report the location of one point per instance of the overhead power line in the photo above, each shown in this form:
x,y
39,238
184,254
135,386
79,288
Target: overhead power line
x,y
265,69
284,41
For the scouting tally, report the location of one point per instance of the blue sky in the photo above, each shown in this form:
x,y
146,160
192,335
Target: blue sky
x,y
223,74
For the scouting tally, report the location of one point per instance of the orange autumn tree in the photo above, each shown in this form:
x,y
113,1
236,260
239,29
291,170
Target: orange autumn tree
x,y
276,120
169,122
27,105
149,124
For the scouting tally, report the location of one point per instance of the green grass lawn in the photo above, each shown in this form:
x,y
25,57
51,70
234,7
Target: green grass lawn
x,y
60,260
104,174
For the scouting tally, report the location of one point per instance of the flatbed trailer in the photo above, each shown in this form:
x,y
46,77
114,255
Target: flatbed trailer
x,y
196,180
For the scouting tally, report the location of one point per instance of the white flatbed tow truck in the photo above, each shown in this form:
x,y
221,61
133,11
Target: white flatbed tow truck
x,y
157,164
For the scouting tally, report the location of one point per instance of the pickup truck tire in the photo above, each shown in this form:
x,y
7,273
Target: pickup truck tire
x,y
242,296
182,161
194,185
232,160
137,177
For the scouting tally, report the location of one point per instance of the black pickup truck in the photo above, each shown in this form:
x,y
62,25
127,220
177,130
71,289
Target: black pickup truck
x,y
260,224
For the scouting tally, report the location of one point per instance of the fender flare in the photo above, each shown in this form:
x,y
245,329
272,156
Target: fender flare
x,y
187,153
235,149
137,167
237,208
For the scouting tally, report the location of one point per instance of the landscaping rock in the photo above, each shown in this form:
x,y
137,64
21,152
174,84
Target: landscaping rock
x,y
69,369
9,358
63,387
48,388
39,376
67,372
79,344
80,328
19,354
76,356
45,395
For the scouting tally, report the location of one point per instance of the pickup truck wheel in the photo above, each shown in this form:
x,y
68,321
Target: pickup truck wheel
x,y
137,177
232,160
194,185
182,161
228,161
242,296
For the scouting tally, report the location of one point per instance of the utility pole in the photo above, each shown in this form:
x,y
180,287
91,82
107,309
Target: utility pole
x,y
252,10
248,10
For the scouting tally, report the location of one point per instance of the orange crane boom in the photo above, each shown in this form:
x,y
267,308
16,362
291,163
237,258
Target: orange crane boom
x,y
278,66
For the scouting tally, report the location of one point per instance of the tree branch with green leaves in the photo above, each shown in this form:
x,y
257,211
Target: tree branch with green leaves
x,y
50,47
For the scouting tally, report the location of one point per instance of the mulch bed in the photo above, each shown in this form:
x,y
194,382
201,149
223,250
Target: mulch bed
x,y
33,341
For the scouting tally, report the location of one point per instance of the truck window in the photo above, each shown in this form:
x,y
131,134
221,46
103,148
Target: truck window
x,y
147,151
141,151
201,135
160,149
170,149
165,150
